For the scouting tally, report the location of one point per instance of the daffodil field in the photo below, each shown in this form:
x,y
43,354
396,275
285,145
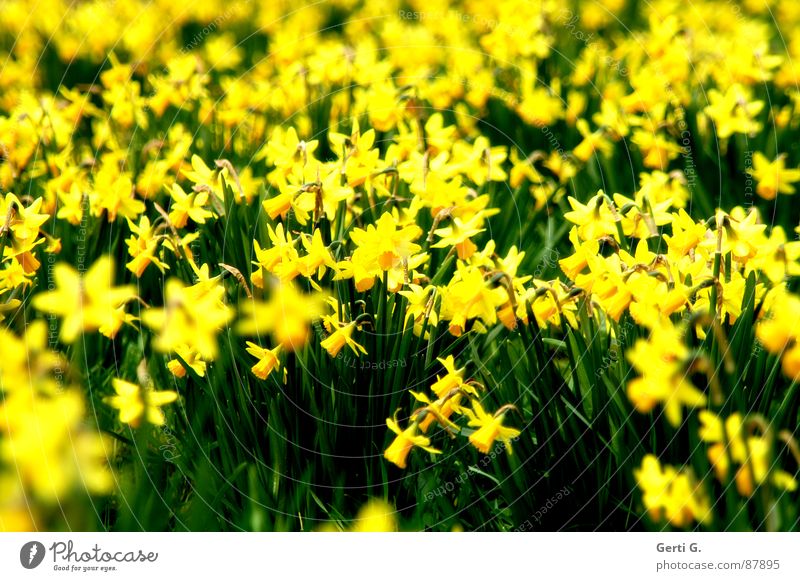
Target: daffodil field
x,y
359,265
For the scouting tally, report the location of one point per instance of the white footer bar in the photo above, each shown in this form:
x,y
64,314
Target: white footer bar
x,y
404,556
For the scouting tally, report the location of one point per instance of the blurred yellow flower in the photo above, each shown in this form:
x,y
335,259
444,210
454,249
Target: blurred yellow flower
x,y
136,403
86,303
671,495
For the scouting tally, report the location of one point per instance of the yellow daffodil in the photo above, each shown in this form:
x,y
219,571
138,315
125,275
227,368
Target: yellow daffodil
x,y
453,379
594,219
192,316
136,403
43,438
772,176
661,362
85,303
459,235
469,297
188,206
267,359
671,495
733,112
730,443
286,316
385,244
377,516
404,442
116,195
186,357
143,247
779,332
341,336
490,428
437,411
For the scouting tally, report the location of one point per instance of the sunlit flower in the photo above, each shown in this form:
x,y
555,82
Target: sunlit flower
x,y
268,359
490,428
772,176
671,495
404,442
85,303
136,403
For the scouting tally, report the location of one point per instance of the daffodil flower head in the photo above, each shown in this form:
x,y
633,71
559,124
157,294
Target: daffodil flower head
x,y
268,359
490,428
136,403
671,495
341,336
405,440
453,378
